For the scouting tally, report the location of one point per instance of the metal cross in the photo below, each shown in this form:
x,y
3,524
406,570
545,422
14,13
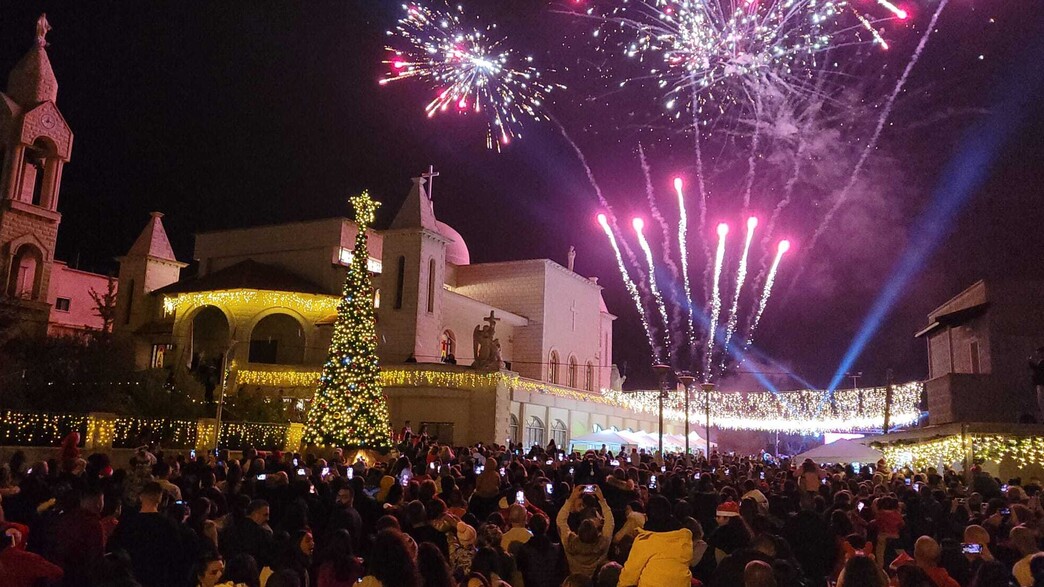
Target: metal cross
x,y
430,175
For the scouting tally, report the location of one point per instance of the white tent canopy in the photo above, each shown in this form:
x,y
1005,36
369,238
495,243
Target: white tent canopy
x,y
641,439
841,451
607,437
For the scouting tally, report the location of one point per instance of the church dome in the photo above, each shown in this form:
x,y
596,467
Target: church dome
x,y
457,250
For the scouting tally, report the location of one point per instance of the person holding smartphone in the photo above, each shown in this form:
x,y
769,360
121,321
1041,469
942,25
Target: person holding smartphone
x,y
588,548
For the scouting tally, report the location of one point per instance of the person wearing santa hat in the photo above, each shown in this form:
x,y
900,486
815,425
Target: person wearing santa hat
x,y
732,532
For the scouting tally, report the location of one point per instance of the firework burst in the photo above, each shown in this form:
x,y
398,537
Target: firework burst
x,y
713,55
469,69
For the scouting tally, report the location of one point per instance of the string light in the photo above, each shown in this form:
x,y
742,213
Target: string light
x,y
39,429
101,430
281,378
318,304
349,408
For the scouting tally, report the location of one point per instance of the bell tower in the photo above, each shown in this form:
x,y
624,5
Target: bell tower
x,y
35,142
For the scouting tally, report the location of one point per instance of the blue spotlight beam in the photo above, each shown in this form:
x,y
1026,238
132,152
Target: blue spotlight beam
x,y
963,176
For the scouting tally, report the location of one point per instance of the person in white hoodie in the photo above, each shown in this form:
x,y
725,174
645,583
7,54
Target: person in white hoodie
x,y
634,520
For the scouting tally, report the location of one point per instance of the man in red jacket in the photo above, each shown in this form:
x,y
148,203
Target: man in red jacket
x,y
21,568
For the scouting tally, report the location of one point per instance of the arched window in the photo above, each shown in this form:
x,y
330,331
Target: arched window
x,y
552,367
596,428
447,345
400,277
558,433
277,339
589,378
513,429
431,285
534,432
574,377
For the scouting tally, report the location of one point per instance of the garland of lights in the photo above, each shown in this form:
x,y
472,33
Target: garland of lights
x,y
349,407
305,303
27,429
789,411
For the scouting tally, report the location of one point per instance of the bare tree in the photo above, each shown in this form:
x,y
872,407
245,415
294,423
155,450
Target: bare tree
x,y
105,304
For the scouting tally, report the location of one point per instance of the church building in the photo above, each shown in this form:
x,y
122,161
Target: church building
x,y
45,295
513,349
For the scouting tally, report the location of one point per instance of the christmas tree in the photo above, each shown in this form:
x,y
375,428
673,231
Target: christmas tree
x,y
349,408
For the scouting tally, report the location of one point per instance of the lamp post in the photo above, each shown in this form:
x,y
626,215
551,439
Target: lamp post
x,y
686,379
224,382
707,389
661,371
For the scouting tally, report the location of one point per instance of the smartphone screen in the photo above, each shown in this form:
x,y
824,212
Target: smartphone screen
x,y
325,471
550,488
302,472
192,454
860,506
350,473
520,497
971,548
589,488
262,477
762,475
652,482
548,462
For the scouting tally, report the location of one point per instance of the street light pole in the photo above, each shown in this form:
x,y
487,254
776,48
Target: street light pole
x,y
661,371
686,379
707,388
224,382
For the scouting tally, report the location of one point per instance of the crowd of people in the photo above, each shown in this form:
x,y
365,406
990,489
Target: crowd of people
x,y
500,516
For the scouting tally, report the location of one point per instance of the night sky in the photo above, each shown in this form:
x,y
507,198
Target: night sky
x,y
234,114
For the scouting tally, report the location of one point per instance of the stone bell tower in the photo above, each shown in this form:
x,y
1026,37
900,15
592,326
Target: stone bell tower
x,y
35,142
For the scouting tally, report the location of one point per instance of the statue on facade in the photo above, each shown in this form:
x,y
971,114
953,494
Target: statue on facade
x,y
42,26
486,346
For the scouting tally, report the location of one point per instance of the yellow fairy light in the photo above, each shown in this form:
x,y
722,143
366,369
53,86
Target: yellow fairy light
x,y
317,304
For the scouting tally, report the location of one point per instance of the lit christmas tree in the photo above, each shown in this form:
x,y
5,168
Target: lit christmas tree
x,y
349,408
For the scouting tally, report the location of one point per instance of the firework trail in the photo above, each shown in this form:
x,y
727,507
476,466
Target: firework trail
x,y
715,299
752,158
611,218
467,69
638,225
683,227
702,226
784,246
677,319
889,103
741,276
629,284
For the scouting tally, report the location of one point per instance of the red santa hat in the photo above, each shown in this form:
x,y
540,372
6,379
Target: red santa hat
x,y
728,509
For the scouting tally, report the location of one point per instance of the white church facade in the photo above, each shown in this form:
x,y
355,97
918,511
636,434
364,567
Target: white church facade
x,y
264,299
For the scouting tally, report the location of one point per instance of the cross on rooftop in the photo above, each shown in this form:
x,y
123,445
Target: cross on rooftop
x,y
430,175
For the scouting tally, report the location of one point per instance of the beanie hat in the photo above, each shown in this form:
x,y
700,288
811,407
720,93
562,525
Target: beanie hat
x,y
466,534
728,509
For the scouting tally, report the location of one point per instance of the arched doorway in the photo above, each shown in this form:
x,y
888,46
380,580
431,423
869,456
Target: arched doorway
x,y
26,273
277,339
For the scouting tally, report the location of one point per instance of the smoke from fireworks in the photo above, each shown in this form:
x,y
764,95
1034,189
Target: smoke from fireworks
x,y
639,225
467,69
